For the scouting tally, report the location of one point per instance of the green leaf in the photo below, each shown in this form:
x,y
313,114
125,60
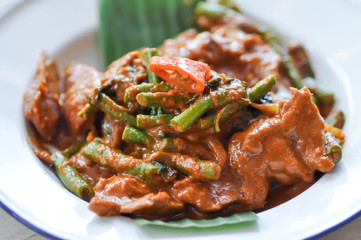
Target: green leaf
x,y
127,25
203,223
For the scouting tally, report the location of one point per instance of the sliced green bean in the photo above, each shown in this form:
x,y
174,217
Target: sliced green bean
x,y
261,88
222,115
132,91
232,91
188,165
146,54
133,135
319,91
273,40
107,105
149,121
70,177
189,116
115,160
336,119
163,99
169,145
333,148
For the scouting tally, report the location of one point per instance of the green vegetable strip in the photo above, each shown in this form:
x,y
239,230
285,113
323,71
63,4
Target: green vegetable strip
x,y
292,71
336,119
233,91
189,116
146,54
261,88
147,121
70,177
188,165
223,115
107,105
162,99
227,112
89,108
169,145
132,135
117,161
212,10
333,148
74,148
320,93
132,91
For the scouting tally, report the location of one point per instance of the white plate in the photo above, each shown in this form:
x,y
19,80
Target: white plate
x,y
331,32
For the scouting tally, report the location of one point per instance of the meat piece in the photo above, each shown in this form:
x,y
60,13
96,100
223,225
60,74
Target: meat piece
x,y
227,50
90,171
153,206
112,130
286,147
126,71
249,191
41,99
120,194
80,80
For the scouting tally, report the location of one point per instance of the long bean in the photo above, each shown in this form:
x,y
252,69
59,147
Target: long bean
x,y
74,148
169,99
107,105
336,119
319,91
148,121
133,135
169,145
117,161
70,177
146,54
222,115
189,116
232,91
132,91
333,148
261,88
188,165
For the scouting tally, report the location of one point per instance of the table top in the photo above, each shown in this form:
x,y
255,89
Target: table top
x,y
10,228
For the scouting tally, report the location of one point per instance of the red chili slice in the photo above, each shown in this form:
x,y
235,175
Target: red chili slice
x,y
183,73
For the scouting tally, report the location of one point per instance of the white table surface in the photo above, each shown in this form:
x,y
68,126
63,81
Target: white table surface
x,y
10,228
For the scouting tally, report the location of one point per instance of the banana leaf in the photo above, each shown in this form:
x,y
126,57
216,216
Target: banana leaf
x,y
203,223
127,25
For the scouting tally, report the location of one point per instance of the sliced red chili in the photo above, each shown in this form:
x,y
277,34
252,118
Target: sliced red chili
x,y
183,73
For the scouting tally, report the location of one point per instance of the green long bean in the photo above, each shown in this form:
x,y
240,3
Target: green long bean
x,y
132,91
188,165
149,121
115,160
133,135
107,105
163,99
261,88
333,148
70,177
146,54
189,116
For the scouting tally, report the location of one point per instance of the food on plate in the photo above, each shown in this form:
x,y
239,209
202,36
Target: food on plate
x,y
209,124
